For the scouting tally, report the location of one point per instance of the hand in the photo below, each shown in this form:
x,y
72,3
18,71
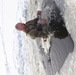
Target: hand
x,y
39,12
43,21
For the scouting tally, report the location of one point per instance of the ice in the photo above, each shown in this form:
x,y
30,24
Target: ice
x,y
70,63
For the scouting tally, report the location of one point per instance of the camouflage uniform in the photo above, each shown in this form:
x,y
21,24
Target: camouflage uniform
x,y
32,29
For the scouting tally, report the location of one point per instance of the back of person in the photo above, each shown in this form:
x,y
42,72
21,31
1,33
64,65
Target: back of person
x,y
34,30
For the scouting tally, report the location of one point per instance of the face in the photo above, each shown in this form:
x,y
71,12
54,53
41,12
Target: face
x,y
20,26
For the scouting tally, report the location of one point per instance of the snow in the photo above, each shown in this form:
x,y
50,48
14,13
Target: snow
x,y
21,55
6,36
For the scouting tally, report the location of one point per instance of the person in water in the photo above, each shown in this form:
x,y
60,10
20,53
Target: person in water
x,y
35,28
38,27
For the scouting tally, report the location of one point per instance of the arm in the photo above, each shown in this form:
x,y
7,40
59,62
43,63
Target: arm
x,y
32,22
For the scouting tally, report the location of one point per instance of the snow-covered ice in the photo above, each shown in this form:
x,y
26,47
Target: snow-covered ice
x,y
21,55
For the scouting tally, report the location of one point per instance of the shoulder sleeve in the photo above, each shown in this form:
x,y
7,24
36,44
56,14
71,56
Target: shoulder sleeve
x,y
32,22
35,21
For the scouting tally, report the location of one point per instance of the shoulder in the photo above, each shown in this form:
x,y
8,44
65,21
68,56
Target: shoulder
x,y
32,21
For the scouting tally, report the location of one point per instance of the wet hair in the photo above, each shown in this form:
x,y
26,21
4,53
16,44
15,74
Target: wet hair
x,y
16,26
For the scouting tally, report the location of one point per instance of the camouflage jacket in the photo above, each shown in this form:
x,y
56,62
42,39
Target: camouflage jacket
x,y
32,29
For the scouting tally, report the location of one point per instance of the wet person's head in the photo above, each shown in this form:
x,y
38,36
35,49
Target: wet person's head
x,y
20,26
